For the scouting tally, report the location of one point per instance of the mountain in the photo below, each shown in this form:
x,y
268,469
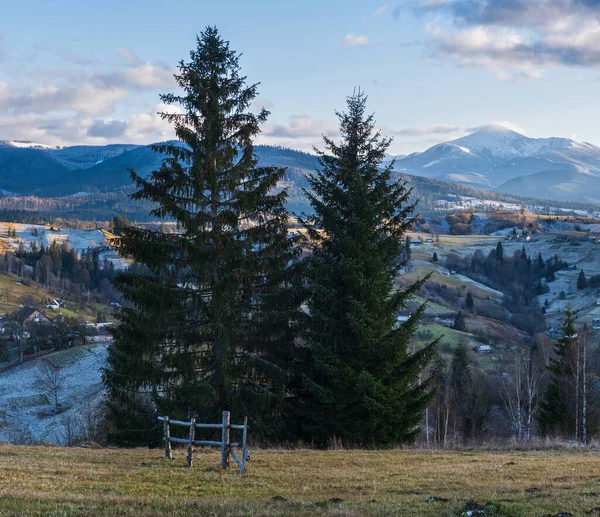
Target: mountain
x,y
493,156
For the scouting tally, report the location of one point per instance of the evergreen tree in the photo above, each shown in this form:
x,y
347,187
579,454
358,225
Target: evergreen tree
x,y
435,256
211,322
461,388
469,303
581,281
361,384
459,322
499,252
557,402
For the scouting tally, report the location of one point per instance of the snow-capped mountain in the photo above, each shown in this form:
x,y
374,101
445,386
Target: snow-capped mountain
x,y
494,155
26,144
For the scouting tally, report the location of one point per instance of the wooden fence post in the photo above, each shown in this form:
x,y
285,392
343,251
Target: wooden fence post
x,y
244,445
191,445
167,433
225,440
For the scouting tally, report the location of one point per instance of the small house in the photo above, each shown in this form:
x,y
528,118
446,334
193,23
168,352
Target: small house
x,y
30,316
54,305
403,317
483,349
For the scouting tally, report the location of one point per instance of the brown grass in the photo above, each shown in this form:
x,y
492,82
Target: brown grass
x,y
68,482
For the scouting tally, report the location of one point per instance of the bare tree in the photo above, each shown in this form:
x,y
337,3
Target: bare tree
x,y
520,395
19,332
51,380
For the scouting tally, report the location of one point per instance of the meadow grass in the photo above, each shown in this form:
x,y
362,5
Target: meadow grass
x,y
73,481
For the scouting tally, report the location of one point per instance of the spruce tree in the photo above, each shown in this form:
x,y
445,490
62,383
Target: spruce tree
x,y
209,324
360,383
435,257
499,252
461,389
459,322
469,302
556,405
581,281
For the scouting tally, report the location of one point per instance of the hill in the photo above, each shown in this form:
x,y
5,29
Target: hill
x,y
40,481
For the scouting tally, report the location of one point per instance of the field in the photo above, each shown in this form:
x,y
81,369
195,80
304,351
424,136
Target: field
x,y
68,482
26,411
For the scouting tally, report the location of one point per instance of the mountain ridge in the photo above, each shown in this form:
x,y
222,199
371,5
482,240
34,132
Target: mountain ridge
x,y
490,158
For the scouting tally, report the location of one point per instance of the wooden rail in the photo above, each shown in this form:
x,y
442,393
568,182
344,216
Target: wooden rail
x,y
225,443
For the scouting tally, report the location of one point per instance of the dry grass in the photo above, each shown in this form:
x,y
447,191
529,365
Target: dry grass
x,y
69,482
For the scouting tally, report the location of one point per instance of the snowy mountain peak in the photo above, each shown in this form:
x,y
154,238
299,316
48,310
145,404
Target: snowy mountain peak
x,y
29,145
495,154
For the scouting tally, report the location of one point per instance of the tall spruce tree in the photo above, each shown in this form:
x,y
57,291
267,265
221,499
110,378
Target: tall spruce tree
x,y
558,400
361,384
212,310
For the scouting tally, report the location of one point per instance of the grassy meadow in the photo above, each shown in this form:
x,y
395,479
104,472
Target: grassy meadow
x,y
50,481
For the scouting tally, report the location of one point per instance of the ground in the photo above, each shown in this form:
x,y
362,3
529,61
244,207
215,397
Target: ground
x,y
73,481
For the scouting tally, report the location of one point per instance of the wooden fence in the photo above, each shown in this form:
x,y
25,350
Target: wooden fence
x,y
226,445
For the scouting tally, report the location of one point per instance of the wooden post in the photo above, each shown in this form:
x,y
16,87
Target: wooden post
x,y
191,445
167,433
225,440
244,445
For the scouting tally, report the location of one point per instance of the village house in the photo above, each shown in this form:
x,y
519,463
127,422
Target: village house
x,y
29,316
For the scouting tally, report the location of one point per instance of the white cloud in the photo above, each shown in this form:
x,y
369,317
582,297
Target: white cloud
x,y
518,39
129,56
381,9
150,127
436,129
356,41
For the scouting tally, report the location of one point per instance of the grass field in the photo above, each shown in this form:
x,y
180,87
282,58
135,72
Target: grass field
x,y
81,482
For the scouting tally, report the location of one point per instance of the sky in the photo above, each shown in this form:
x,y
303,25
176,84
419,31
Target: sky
x,y
90,72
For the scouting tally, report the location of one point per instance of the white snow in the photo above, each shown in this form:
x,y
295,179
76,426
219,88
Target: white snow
x,y
34,145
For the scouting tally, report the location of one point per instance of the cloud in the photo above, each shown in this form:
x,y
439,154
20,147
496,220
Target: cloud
x,y
139,76
85,99
502,123
438,129
129,56
150,127
301,132
301,126
518,39
381,9
355,41
107,129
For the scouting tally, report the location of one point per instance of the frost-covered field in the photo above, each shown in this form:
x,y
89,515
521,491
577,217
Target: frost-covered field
x,y
79,240
26,409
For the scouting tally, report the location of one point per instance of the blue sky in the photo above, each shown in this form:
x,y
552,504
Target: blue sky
x,y
75,72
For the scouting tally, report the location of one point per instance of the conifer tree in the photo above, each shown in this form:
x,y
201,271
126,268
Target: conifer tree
x,y
360,383
499,252
461,388
581,281
211,313
435,257
469,302
557,402
459,322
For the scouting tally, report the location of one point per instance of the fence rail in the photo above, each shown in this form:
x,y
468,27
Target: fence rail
x,y
225,443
